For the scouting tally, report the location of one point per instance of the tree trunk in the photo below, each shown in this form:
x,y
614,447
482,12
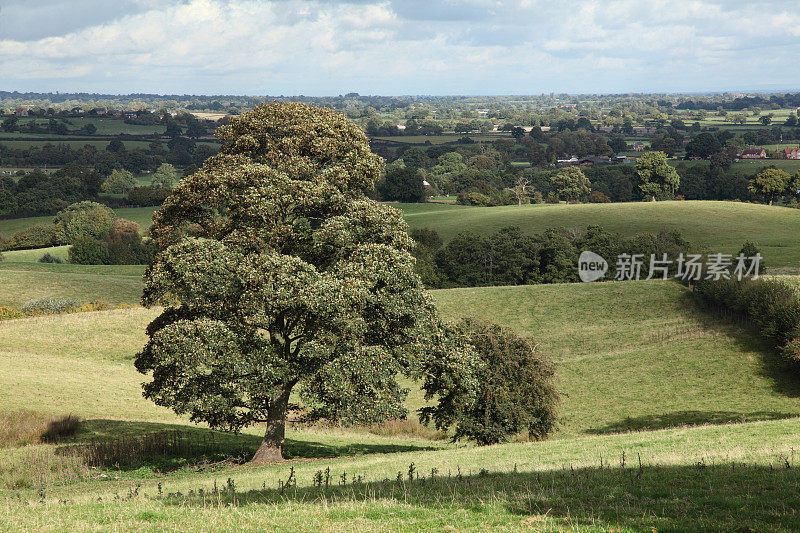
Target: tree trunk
x,y
271,449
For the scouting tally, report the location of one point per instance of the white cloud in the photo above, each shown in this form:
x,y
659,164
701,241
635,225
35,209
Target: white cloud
x,y
394,47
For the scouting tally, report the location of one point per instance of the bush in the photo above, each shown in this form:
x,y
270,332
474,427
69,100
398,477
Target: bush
x,y
9,313
771,305
50,258
122,245
82,219
598,198
88,251
510,389
36,236
147,196
49,306
474,198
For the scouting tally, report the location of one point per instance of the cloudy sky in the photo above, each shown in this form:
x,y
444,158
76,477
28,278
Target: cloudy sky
x,y
398,47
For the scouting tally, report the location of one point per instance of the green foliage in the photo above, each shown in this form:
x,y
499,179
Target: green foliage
x,y
148,196
570,183
402,184
291,276
514,389
87,251
772,305
50,258
121,245
703,145
49,306
426,243
119,182
35,236
509,257
769,183
657,179
164,177
83,219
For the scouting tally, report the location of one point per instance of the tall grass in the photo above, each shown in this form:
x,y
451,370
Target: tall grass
x,y
18,428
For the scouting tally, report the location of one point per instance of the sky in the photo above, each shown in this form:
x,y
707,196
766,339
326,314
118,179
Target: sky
x,y
398,47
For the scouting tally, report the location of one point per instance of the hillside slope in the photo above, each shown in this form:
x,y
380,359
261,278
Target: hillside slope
x,y
636,355
720,226
630,355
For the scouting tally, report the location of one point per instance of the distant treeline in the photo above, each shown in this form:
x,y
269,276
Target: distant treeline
x,y
179,151
775,101
510,257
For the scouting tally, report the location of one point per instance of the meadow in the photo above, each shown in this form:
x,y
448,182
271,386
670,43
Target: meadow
x,y
719,226
671,420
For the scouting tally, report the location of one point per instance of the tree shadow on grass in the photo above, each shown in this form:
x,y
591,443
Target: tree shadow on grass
x,y
746,337
701,497
130,445
685,418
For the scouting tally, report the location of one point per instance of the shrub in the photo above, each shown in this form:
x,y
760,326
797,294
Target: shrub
x,y
771,305
49,306
50,258
598,197
474,198
122,245
88,251
36,236
9,313
510,389
82,219
147,196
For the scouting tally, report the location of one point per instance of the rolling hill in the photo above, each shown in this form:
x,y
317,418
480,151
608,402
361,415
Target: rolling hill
x,y
720,226
630,356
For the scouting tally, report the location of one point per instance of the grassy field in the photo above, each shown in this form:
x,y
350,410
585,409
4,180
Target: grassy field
x,y
721,226
643,358
637,355
115,284
631,356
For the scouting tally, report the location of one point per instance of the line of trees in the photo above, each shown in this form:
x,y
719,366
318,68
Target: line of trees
x,y
511,257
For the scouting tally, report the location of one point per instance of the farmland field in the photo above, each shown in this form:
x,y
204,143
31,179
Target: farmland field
x,y
721,226
669,367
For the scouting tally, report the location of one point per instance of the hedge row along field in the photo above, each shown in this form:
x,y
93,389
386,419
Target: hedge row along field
x,y
772,305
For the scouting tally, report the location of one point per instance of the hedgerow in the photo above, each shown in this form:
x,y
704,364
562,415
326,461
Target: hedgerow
x,y
772,306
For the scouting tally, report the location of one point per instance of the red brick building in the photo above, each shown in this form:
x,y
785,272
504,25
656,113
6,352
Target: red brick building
x,y
791,153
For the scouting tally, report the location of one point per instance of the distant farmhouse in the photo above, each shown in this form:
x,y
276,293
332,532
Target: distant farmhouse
x,y
754,153
638,146
792,153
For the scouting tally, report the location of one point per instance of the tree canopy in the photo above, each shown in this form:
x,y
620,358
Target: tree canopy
x,y
276,271
769,183
571,184
119,182
657,179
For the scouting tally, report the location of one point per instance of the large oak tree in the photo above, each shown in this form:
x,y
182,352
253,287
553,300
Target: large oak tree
x,y
277,273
